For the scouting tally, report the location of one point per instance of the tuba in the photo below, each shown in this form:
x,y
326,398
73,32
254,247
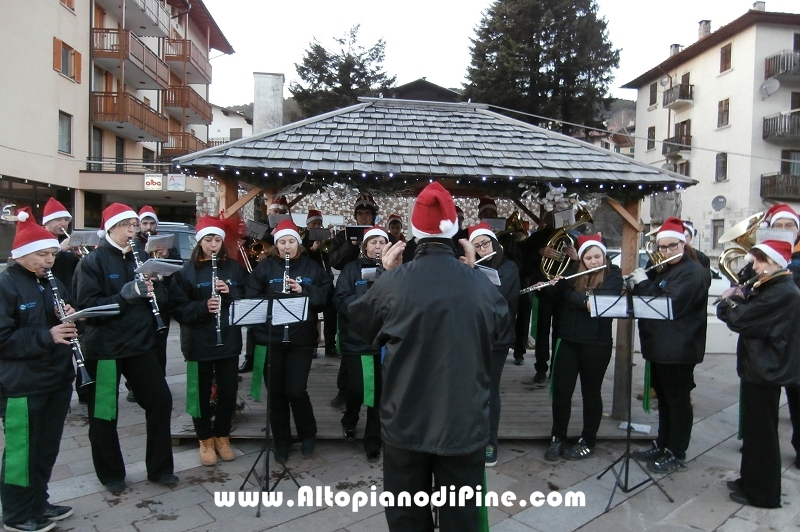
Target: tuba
x,y
744,235
560,240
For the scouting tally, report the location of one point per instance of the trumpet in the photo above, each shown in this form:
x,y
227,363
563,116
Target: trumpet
x,y
215,295
77,350
140,277
82,250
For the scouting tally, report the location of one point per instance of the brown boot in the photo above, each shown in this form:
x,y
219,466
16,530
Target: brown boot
x,y
223,446
207,455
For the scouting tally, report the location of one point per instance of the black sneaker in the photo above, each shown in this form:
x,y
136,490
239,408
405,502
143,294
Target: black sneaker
x,y
667,463
55,512
281,455
373,456
491,455
519,361
167,480
734,485
580,451
40,524
349,434
247,366
540,377
116,486
555,450
131,396
307,446
340,401
653,453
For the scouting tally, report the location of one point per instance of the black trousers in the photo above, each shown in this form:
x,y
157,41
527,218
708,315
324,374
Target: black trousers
x,y
522,325
288,368
46,415
342,378
249,345
761,451
160,349
145,375
497,363
227,373
793,399
329,325
355,398
673,384
413,472
548,313
590,363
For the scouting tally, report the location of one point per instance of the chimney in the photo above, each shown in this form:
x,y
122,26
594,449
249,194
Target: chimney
x,y
704,30
759,6
675,49
267,102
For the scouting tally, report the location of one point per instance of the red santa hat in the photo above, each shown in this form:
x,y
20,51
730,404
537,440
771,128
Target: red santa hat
x,y
113,214
587,241
486,203
280,203
777,212
434,214
481,229
313,215
395,218
671,228
375,231
54,209
777,250
147,211
31,237
287,228
210,225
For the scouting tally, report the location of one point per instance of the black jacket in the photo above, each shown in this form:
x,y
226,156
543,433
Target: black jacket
x,y
99,278
342,251
438,320
509,288
64,267
768,349
349,287
681,340
189,293
794,267
267,278
317,256
576,324
31,362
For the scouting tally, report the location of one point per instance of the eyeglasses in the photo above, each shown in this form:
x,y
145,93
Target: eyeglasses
x,y
483,245
135,225
671,247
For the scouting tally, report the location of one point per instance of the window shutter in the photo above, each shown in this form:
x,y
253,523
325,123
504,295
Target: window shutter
x,y
77,65
56,54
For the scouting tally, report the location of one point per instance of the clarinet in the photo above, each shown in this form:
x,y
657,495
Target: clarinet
x,y
214,294
286,290
77,351
140,277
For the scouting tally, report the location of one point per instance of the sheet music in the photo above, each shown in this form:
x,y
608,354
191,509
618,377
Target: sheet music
x,y
92,312
289,310
652,308
164,268
158,241
84,238
608,306
491,273
248,312
256,230
496,224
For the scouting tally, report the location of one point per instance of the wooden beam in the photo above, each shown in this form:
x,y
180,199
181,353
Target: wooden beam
x,y
295,200
252,193
622,211
527,211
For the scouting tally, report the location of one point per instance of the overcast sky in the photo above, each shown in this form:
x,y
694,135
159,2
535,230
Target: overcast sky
x,y
431,38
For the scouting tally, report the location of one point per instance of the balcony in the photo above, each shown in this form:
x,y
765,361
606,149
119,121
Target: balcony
x,y
784,67
679,97
183,53
181,143
782,187
782,128
128,117
674,147
186,102
147,18
127,166
143,68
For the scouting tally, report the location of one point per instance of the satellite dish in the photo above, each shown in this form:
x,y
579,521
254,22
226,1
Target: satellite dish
x,y
719,203
769,87
664,81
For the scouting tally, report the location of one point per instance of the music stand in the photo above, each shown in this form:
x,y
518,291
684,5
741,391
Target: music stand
x,y
262,478
660,308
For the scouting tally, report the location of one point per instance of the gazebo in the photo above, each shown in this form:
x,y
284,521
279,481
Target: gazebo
x,y
383,145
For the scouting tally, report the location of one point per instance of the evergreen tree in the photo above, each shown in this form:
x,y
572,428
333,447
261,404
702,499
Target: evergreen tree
x,y
551,58
335,79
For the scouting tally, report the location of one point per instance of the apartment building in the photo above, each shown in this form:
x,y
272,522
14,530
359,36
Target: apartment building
x,y
726,111
228,125
99,94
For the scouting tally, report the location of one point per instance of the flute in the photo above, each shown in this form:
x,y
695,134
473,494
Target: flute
x,y
215,295
140,277
77,351
548,283
489,256
663,262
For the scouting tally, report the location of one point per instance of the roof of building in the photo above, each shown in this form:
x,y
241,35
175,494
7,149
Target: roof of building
x,y
422,89
714,39
199,14
395,140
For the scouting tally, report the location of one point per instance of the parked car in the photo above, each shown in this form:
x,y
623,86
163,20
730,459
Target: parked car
x,y
184,237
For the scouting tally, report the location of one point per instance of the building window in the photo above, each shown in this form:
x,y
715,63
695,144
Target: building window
x,y
69,4
653,93
66,60
148,156
725,58
723,113
796,42
717,230
721,173
64,132
683,168
651,138
790,162
605,145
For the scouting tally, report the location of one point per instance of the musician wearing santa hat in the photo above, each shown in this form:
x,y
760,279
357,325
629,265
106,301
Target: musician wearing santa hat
x,y
319,254
766,319
148,226
56,218
124,344
35,378
673,347
434,405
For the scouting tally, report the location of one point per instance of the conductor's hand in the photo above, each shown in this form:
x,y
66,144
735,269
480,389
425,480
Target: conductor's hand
x,y
392,255
212,304
136,290
638,275
222,287
571,252
62,333
469,252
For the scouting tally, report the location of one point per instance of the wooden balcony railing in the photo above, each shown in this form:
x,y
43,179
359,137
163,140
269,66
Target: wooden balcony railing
x,y
786,63
218,141
187,98
673,145
185,50
181,143
785,187
678,93
111,43
124,108
781,127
